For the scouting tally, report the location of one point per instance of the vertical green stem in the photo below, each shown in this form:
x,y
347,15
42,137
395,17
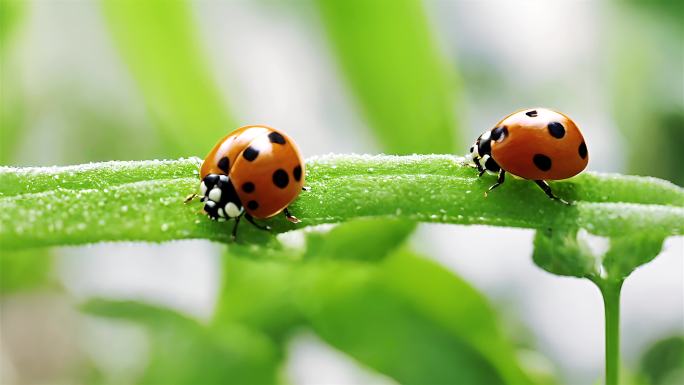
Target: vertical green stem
x,y
611,302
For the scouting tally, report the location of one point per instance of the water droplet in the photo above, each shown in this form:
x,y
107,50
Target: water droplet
x,y
124,208
164,227
81,226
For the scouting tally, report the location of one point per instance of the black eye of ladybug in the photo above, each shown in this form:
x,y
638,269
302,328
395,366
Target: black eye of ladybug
x,y
211,180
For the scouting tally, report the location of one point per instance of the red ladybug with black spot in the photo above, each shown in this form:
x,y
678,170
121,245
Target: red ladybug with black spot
x,y
256,172
537,144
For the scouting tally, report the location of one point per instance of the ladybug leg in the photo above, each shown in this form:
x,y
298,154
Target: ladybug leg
x,y
190,198
306,188
250,219
290,217
547,189
235,227
481,169
499,181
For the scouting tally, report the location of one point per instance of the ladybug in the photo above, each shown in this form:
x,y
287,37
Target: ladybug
x,y
256,172
538,144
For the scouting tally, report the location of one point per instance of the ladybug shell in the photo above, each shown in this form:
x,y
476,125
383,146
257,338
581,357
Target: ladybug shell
x,y
540,144
264,165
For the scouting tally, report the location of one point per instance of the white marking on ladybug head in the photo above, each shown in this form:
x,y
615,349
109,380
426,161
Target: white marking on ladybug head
x,y
232,210
485,137
474,151
203,188
215,194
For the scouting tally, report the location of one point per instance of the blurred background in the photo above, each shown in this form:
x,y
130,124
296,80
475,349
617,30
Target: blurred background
x,y
85,81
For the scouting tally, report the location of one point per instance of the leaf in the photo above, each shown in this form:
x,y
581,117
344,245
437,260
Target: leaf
x,y
25,269
159,41
663,362
394,67
560,252
186,352
364,239
106,201
258,293
408,318
628,252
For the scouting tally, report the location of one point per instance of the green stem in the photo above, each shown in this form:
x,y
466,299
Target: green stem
x,y
610,291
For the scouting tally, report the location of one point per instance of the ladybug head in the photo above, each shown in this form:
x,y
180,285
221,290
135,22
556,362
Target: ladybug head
x,y
221,199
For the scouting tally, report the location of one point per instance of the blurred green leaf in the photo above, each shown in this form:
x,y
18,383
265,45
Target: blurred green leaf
x,y
25,269
648,104
415,188
663,362
394,67
185,352
410,319
364,239
258,293
11,13
159,41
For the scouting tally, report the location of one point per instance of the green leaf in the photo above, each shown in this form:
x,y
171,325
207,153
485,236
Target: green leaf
x,y
258,293
394,67
408,318
628,252
73,207
364,239
663,362
563,253
159,41
560,252
25,269
185,352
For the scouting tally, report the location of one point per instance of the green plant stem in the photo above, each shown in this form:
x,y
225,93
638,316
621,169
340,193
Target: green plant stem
x,y
610,291
142,201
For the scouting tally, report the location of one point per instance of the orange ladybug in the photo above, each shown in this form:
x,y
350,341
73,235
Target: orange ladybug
x,y
537,144
256,172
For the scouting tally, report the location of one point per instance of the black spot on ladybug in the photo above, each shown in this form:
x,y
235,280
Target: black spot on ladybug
x,y
499,133
252,205
224,164
556,130
531,114
248,187
491,165
250,153
297,173
542,162
583,150
275,137
280,178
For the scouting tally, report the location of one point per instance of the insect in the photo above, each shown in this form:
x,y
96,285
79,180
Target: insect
x,y
256,172
537,144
